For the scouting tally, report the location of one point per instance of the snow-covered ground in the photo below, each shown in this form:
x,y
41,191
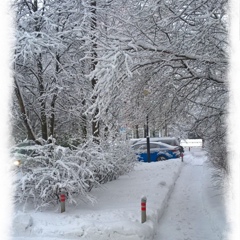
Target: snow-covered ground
x,y
182,204
194,211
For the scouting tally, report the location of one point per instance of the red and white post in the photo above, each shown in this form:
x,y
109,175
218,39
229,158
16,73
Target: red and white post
x,y
62,201
181,155
143,209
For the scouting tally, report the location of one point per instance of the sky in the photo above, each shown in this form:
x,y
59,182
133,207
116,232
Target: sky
x,y
6,31
182,203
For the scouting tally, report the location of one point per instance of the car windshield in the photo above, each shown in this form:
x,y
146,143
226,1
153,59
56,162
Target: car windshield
x,y
140,146
171,142
143,146
167,140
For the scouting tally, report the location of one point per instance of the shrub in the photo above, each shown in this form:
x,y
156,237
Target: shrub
x,y
52,169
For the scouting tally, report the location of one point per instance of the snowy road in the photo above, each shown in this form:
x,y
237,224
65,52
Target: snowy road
x,y
189,215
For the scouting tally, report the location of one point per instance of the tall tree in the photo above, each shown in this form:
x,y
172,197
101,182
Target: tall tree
x,y
176,50
49,65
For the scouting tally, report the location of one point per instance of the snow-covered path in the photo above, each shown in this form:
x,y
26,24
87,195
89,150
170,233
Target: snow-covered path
x,y
189,215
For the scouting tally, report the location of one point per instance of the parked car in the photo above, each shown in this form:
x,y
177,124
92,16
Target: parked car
x,y
27,149
168,140
158,151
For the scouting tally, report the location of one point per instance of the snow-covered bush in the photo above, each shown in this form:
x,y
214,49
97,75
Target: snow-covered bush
x,y
217,150
52,169
118,159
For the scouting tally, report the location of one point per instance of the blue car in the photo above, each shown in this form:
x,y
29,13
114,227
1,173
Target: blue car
x,y
158,151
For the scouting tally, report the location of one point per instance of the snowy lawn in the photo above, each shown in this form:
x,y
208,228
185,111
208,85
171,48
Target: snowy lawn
x,y
117,214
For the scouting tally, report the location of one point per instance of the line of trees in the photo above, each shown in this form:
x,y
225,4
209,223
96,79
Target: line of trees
x,y
82,67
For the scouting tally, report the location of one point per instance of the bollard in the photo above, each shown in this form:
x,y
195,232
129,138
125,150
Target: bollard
x,y
143,209
189,149
62,201
181,155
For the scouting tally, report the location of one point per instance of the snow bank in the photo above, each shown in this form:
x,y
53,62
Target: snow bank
x,y
116,215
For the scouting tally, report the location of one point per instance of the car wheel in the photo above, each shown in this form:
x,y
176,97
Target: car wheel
x,y
161,158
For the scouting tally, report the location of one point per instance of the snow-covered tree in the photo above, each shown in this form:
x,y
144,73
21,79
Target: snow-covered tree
x,y
85,65
47,170
50,67
174,50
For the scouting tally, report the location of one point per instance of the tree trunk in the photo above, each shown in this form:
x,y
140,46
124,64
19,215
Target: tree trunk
x,y
52,116
30,134
54,98
42,98
95,122
40,79
136,132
